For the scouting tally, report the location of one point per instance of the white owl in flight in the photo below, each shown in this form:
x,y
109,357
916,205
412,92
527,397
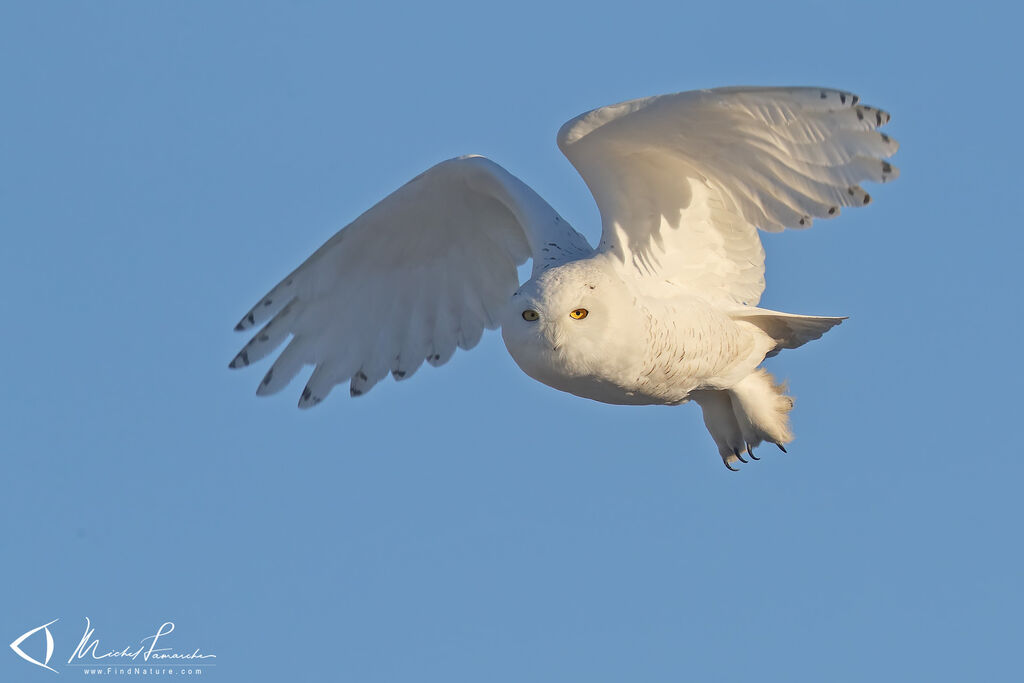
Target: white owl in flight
x,y
663,311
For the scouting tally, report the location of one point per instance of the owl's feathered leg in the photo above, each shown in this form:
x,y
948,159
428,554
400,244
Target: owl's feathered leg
x,y
720,419
761,408
739,419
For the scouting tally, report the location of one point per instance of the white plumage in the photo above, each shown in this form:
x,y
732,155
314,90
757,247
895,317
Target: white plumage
x,y
663,311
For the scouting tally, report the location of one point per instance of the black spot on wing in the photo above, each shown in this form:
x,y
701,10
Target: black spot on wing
x,y
241,360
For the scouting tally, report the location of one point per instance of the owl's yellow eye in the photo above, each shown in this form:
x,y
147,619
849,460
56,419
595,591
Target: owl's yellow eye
x,y
530,314
579,313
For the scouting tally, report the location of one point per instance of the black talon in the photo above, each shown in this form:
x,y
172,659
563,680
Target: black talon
x,y
729,467
750,452
739,457
782,448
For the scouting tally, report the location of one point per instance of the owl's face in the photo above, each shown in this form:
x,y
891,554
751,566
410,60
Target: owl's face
x,y
560,327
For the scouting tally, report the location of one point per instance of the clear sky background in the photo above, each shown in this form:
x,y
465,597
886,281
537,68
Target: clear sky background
x,y
163,164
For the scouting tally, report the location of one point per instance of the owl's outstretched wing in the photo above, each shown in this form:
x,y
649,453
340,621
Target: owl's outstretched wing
x,y
683,181
422,272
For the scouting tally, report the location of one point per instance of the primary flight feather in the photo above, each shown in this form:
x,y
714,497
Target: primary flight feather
x,y
663,311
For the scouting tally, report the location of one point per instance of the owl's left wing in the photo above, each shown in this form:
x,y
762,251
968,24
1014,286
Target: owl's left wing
x,y
683,181
422,272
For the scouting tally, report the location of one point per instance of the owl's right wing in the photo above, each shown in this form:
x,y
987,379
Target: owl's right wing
x,y
683,181
422,272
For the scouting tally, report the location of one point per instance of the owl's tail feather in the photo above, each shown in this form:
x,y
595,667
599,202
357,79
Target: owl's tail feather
x,y
754,411
789,330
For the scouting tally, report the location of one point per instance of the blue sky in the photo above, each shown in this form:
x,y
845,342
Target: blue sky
x,y
163,164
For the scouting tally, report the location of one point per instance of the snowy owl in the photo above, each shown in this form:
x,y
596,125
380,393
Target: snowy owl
x,y
663,311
